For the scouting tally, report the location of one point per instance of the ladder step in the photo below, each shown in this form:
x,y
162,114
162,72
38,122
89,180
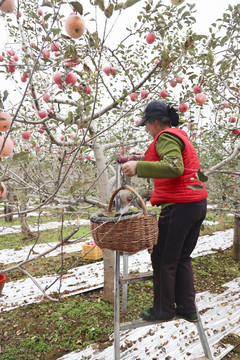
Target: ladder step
x,y
137,323
131,278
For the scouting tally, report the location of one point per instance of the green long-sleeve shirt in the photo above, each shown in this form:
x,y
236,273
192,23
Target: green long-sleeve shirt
x,y
169,147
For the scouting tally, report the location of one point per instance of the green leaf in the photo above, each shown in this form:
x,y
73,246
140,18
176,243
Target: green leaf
x,y
129,3
100,3
109,11
70,116
77,7
23,155
47,3
196,187
201,176
5,95
77,187
47,16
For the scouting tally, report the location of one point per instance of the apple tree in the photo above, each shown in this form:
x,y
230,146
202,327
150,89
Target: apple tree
x,y
75,89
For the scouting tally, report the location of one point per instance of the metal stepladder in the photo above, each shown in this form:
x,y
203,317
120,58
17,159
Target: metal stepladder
x,y
124,280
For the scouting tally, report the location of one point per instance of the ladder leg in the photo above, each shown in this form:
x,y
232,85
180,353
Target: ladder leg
x,y
125,285
117,282
203,338
117,307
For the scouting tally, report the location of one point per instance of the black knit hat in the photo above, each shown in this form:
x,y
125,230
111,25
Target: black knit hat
x,y
157,110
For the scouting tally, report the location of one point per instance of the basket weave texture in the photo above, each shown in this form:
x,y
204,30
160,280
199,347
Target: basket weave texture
x,y
128,233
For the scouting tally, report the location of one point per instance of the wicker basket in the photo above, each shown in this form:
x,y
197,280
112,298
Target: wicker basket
x,y
131,232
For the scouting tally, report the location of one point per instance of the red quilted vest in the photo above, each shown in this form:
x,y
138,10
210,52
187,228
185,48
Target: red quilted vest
x,y
177,190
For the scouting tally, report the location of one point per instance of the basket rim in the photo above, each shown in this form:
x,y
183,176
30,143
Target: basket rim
x,y
102,218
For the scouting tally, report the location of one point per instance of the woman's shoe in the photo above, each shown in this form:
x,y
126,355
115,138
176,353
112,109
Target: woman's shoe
x,y
148,315
189,317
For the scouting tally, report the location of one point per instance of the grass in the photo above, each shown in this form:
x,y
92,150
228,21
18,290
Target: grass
x,y
44,236
48,330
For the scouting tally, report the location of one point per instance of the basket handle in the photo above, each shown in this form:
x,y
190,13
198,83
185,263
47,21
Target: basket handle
x,y
134,192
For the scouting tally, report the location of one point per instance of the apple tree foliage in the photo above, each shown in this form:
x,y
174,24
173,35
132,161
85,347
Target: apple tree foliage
x,y
70,156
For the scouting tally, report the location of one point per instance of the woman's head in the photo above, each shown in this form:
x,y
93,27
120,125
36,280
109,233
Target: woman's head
x,y
160,111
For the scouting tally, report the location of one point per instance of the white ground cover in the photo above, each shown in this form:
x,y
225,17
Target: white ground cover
x,y
12,229
22,292
176,340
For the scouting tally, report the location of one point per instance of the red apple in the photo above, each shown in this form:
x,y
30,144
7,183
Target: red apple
x,y
235,131
3,190
107,70
113,71
46,97
88,157
200,98
26,135
42,114
173,83
23,78
55,46
183,107
7,6
8,146
179,79
75,26
150,38
5,121
57,77
133,96
144,94
71,79
40,12
232,119
46,54
87,90
197,89
41,130
164,93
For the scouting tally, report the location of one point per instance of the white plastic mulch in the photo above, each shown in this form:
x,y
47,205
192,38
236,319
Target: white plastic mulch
x,y
22,292
175,340
178,340
46,226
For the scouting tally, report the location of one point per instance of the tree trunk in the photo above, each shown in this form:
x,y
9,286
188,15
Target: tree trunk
x,y
236,238
105,188
25,230
8,207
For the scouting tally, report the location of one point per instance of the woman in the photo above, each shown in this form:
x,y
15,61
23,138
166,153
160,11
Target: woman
x,y
173,163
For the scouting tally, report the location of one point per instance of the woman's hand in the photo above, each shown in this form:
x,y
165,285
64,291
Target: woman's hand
x,y
130,168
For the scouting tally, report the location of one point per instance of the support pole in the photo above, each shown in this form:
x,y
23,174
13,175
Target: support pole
x,y
117,281
125,270
203,338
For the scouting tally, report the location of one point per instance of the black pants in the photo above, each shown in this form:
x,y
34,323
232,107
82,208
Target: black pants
x,y
179,227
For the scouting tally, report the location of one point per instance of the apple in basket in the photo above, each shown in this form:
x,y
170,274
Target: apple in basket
x,y
90,242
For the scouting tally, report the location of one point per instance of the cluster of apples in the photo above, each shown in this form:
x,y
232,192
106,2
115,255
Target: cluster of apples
x,y
12,60
134,95
7,149
69,79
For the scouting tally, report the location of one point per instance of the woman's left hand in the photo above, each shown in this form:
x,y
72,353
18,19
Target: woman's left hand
x,y
130,168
